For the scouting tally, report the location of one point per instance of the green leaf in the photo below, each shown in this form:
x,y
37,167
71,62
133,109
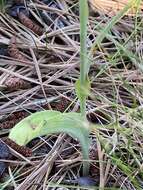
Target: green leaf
x,y
48,122
82,92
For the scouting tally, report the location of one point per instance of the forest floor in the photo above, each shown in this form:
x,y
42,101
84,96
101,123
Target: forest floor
x,y
39,64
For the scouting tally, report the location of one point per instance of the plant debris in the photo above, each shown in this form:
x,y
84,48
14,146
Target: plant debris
x,y
14,52
39,64
15,83
25,151
12,120
112,7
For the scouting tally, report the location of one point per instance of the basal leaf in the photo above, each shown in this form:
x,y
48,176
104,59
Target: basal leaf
x,y
48,122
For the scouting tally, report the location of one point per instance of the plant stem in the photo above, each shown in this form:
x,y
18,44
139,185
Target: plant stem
x,y
83,50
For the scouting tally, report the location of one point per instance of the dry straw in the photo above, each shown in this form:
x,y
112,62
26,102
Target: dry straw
x,y
111,7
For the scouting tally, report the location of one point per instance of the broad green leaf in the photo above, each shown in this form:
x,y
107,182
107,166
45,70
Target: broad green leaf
x,y
48,122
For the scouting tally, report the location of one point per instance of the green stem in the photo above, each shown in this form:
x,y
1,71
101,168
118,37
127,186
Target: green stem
x,y
83,50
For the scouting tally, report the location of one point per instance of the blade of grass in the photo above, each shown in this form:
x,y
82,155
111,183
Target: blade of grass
x,y
104,32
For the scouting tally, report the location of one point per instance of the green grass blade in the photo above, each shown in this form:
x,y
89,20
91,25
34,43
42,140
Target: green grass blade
x,y
111,23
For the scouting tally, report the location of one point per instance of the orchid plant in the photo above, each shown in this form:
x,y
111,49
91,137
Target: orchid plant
x,y
74,124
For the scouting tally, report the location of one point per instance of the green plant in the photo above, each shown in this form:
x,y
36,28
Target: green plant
x,y
83,84
2,4
48,122
74,124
